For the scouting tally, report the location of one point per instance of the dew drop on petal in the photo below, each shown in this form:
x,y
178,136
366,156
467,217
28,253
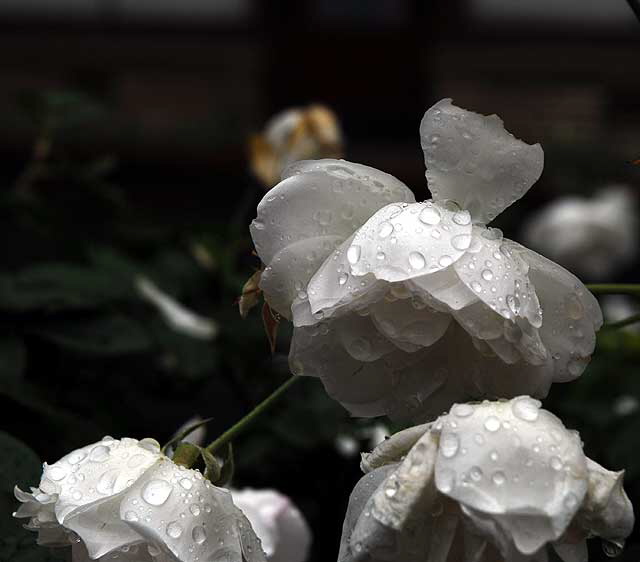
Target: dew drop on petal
x,y
612,549
430,215
449,445
131,516
194,509
462,410
99,453
385,229
487,274
463,218
174,529
343,278
198,534
556,463
526,409
353,254
186,483
446,480
476,473
76,457
498,478
445,261
56,473
156,492
492,424
416,260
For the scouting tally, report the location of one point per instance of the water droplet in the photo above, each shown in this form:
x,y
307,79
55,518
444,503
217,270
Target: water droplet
x,y
359,348
174,529
514,304
77,495
487,274
461,241
463,218
573,306
494,456
462,410
186,483
150,444
198,534
107,481
577,366
445,261
476,473
156,492
492,424
76,457
99,453
430,215
353,254
476,286
343,278
380,256
194,509
385,229
131,516
416,260
436,234
449,445
56,473
446,480
498,478
526,408
556,463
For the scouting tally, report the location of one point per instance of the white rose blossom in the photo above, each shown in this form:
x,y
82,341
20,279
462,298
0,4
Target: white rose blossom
x,y
124,499
595,237
282,529
403,308
487,482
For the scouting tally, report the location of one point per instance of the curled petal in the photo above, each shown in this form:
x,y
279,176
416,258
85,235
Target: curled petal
x,y
321,198
445,287
571,315
473,160
403,241
607,511
394,448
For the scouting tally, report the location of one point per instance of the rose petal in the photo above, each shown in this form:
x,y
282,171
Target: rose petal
x,y
98,471
473,160
321,198
401,323
571,318
287,275
403,241
499,277
394,448
521,468
171,507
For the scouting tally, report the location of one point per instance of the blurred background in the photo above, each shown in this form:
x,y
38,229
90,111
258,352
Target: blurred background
x,y
125,131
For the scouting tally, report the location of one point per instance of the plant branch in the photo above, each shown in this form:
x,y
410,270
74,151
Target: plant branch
x,y
624,322
246,421
615,289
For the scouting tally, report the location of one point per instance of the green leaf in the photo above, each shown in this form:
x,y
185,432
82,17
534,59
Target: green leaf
x,y
54,287
102,335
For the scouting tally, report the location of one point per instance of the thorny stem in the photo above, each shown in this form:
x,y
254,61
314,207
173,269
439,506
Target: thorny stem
x,y
615,289
247,420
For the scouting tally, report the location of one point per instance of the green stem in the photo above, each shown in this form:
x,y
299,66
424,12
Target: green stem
x,y
622,323
615,289
246,421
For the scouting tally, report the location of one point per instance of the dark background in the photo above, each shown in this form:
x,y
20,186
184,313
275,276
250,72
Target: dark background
x,y
123,150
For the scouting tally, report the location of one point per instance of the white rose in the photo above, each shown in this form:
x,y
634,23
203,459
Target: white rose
x,y
491,481
294,134
403,308
125,499
281,527
594,237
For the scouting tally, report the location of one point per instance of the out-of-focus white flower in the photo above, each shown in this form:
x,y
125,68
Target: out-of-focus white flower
x,y
593,237
292,135
280,526
491,481
125,498
620,307
625,405
347,445
403,308
177,316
